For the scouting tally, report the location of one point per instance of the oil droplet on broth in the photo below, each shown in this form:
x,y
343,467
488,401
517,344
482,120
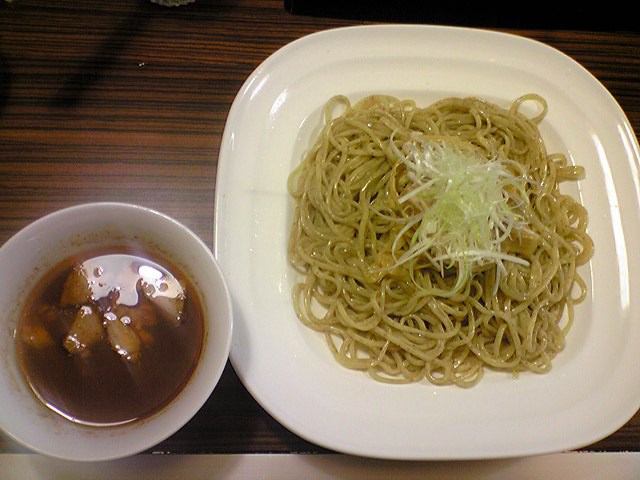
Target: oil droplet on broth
x,y
127,274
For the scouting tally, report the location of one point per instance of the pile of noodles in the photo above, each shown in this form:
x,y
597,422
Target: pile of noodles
x,y
401,317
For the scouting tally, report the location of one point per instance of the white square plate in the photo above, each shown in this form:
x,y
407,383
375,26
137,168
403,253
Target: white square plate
x,y
594,386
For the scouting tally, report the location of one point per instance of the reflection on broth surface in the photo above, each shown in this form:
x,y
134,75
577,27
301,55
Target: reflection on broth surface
x,y
110,336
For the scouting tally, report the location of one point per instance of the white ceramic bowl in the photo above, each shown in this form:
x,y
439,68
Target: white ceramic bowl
x,y
53,238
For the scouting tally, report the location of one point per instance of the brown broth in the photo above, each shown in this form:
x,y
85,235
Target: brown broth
x,y
99,385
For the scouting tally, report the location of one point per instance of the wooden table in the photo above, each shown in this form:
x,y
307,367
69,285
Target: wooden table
x,y
126,100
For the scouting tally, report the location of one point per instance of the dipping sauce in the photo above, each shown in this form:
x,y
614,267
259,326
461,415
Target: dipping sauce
x,y
110,336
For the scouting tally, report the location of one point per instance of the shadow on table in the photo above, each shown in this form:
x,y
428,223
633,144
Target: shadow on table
x,y
111,48
5,82
91,70
545,14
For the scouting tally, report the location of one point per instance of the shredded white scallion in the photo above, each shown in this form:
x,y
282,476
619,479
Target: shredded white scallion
x,y
469,206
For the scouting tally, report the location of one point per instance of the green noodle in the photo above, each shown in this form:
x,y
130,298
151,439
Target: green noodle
x,y
407,320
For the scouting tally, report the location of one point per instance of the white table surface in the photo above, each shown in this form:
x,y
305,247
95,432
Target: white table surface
x,y
565,466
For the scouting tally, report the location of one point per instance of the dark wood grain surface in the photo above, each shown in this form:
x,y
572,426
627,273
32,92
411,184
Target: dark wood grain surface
x,y
125,100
